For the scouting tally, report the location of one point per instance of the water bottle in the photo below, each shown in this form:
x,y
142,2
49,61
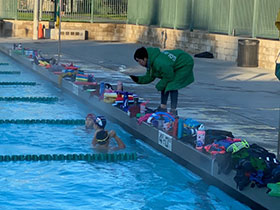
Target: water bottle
x,y
200,137
143,107
180,128
175,128
125,102
160,122
101,90
134,109
120,86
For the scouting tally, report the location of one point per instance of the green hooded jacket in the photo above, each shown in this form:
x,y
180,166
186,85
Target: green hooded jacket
x,y
174,68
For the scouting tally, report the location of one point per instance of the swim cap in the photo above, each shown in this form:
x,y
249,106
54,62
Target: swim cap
x,y
102,137
100,121
91,116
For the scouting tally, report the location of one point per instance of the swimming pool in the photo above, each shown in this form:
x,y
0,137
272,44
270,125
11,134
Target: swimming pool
x,y
151,182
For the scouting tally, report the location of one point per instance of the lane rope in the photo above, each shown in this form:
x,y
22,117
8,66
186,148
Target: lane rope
x,y
70,157
18,83
10,72
30,99
44,121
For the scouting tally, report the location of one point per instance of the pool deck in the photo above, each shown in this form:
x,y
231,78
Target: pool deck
x,y
244,101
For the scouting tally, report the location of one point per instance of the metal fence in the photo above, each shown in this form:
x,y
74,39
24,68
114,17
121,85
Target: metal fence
x,y
72,10
250,18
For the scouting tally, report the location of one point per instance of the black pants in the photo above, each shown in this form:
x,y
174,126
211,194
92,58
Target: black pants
x,y
173,95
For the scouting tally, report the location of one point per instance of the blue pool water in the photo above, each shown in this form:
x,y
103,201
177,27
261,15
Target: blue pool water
x,y
151,182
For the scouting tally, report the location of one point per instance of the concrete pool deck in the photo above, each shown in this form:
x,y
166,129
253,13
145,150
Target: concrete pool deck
x,y
245,101
242,100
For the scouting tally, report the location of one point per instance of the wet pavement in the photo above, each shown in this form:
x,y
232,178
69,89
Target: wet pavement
x,y
244,101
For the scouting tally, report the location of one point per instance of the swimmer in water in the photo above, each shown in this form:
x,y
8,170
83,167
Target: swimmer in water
x,y
89,121
102,138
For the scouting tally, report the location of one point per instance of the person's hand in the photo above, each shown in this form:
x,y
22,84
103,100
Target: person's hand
x,y
134,78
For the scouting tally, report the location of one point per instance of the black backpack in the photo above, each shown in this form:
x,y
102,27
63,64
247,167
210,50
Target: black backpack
x,y
204,55
212,135
269,158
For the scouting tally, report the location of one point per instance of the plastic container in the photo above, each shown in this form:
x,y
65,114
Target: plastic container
x,y
120,86
134,109
180,128
143,107
125,102
101,90
200,137
160,122
175,127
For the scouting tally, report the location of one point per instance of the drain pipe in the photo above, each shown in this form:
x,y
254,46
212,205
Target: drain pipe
x,y
59,33
35,19
41,10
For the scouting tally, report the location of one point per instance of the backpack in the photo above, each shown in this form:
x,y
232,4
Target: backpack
x,y
212,135
204,55
268,158
241,178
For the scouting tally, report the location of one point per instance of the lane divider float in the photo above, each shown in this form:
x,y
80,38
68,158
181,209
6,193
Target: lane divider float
x,y
10,72
18,83
70,157
4,64
44,121
29,99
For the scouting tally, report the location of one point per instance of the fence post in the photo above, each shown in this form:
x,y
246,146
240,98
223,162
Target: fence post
x,y
16,9
54,13
192,16
210,14
41,10
230,19
91,12
35,20
176,14
255,16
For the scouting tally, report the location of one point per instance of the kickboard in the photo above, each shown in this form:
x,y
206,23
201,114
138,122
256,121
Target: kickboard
x,y
85,83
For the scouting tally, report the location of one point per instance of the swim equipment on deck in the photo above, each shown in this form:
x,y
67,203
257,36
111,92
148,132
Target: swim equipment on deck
x,y
85,83
70,157
44,121
274,189
29,99
10,72
167,117
18,83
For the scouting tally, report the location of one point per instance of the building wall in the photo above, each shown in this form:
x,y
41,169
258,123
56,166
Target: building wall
x,y
222,46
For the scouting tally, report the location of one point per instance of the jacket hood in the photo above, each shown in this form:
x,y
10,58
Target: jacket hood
x,y
152,54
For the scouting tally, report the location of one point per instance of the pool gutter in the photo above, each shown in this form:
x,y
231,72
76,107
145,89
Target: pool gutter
x,y
202,164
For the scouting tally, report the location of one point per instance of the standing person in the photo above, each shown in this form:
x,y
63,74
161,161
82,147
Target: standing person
x,y
102,138
174,68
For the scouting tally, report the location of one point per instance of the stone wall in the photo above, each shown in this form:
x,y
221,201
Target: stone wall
x,y
222,46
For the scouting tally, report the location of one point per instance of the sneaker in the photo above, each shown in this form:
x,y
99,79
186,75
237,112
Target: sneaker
x,y
159,109
174,112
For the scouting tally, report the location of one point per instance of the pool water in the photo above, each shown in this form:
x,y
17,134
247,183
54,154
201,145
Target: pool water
x,y
151,182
